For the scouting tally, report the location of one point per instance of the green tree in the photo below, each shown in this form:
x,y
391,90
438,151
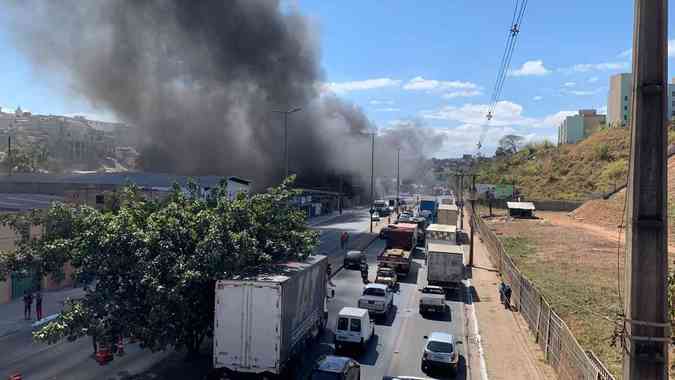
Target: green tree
x,y
155,262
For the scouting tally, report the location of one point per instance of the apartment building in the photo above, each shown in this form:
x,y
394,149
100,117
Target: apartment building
x,y
620,100
577,127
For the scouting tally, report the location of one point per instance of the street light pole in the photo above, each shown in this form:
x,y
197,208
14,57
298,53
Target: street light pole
x,y
286,113
372,177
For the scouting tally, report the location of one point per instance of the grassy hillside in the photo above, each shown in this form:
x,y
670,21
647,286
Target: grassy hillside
x,y
545,171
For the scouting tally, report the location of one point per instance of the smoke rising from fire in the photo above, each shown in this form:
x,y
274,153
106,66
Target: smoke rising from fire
x,y
201,79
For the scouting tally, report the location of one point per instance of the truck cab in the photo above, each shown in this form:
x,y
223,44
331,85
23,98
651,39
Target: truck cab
x,y
354,328
378,299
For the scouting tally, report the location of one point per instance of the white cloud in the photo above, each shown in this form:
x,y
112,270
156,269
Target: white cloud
x,y
362,85
461,94
625,54
593,79
569,84
388,109
506,114
376,102
629,53
605,66
421,84
583,92
530,68
538,98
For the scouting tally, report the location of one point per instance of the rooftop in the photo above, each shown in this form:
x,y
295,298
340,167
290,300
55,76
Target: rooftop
x,y
353,312
442,337
442,228
333,363
445,248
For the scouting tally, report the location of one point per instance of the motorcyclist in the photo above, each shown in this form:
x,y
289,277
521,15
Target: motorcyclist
x,y
364,272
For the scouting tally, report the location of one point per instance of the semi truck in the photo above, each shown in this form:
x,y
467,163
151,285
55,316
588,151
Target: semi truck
x,y
445,265
263,321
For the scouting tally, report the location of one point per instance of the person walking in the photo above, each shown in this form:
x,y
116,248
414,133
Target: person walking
x,y
343,240
38,305
27,303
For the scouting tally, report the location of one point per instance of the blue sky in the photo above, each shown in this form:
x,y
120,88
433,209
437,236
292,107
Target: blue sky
x,y
433,61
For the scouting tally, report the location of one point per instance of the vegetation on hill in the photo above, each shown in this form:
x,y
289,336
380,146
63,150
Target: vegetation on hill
x,y
545,171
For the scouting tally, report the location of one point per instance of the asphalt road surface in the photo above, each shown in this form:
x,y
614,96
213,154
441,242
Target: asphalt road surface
x,y
398,345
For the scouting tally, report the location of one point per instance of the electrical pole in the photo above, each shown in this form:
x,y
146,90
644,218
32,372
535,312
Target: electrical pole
x,y
372,177
473,213
398,180
646,316
9,154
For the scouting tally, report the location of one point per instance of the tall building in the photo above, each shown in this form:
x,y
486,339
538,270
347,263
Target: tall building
x,y
577,127
620,100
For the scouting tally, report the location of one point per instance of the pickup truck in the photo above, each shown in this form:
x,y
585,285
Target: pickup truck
x,y
433,299
377,299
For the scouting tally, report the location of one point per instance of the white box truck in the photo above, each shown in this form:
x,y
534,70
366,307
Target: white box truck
x,y
445,265
264,321
448,214
441,233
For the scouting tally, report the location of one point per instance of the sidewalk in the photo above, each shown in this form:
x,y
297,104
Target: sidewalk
x,y
11,314
509,348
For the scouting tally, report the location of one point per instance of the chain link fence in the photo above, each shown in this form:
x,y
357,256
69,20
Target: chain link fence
x,y
561,349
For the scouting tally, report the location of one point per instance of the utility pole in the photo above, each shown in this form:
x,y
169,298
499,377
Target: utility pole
x,y
286,113
9,154
473,213
646,316
398,180
372,177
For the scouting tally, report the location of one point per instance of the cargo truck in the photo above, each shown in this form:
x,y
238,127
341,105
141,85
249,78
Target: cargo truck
x,y
445,265
441,233
264,321
429,206
448,214
401,240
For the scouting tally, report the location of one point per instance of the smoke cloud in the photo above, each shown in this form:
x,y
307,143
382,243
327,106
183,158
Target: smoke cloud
x,y
200,81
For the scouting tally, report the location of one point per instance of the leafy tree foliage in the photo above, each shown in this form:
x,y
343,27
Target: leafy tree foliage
x,y
155,262
509,144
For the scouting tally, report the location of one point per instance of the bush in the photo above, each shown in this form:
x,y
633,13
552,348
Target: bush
x,y
602,152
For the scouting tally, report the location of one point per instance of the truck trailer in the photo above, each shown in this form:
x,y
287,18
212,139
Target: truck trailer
x,y
401,240
445,265
429,206
441,233
448,214
263,321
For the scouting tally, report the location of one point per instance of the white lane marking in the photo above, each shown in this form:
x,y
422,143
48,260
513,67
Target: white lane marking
x,y
476,334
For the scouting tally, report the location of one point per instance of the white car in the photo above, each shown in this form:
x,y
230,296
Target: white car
x,y
354,328
377,299
440,352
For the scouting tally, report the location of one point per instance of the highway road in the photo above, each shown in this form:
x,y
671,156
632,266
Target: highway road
x,y
397,348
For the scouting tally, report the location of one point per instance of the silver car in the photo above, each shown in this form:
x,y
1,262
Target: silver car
x,y
440,352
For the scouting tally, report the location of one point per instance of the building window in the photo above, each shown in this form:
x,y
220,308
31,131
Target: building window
x,y
625,108
625,98
99,199
625,117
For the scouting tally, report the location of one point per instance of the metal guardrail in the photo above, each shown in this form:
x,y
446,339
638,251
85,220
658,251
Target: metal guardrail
x,y
561,349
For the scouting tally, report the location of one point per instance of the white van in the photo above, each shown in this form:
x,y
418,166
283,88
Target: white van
x,y
354,328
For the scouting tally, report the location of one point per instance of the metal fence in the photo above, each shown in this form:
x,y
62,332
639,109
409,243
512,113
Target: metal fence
x,y
561,349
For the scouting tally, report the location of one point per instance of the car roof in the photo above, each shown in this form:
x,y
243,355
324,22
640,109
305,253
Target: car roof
x,y
353,312
433,287
442,337
333,363
354,253
378,286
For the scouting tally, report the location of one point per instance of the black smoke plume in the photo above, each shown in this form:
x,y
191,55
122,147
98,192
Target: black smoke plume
x,y
200,81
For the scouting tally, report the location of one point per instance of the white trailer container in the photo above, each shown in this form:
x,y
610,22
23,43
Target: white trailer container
x,y
441,233
263,321
448,214
445,265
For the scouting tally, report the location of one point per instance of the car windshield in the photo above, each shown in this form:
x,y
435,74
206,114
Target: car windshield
x,y
321,375
440,347
355,325
373,292
433,291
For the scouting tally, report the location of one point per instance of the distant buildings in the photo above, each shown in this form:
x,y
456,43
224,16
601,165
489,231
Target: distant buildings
x,y
620,100
577,127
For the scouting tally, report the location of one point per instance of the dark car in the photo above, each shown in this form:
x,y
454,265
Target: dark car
x,y
336,368
353,260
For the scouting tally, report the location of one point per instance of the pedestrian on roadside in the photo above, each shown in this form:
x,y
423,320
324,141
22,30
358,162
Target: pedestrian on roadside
x,y
38,305
343,240
27,303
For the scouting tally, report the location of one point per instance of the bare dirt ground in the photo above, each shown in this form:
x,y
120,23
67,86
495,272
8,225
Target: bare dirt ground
x,y
577,266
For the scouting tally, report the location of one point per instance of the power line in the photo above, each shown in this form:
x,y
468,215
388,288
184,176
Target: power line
x,y
505,64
